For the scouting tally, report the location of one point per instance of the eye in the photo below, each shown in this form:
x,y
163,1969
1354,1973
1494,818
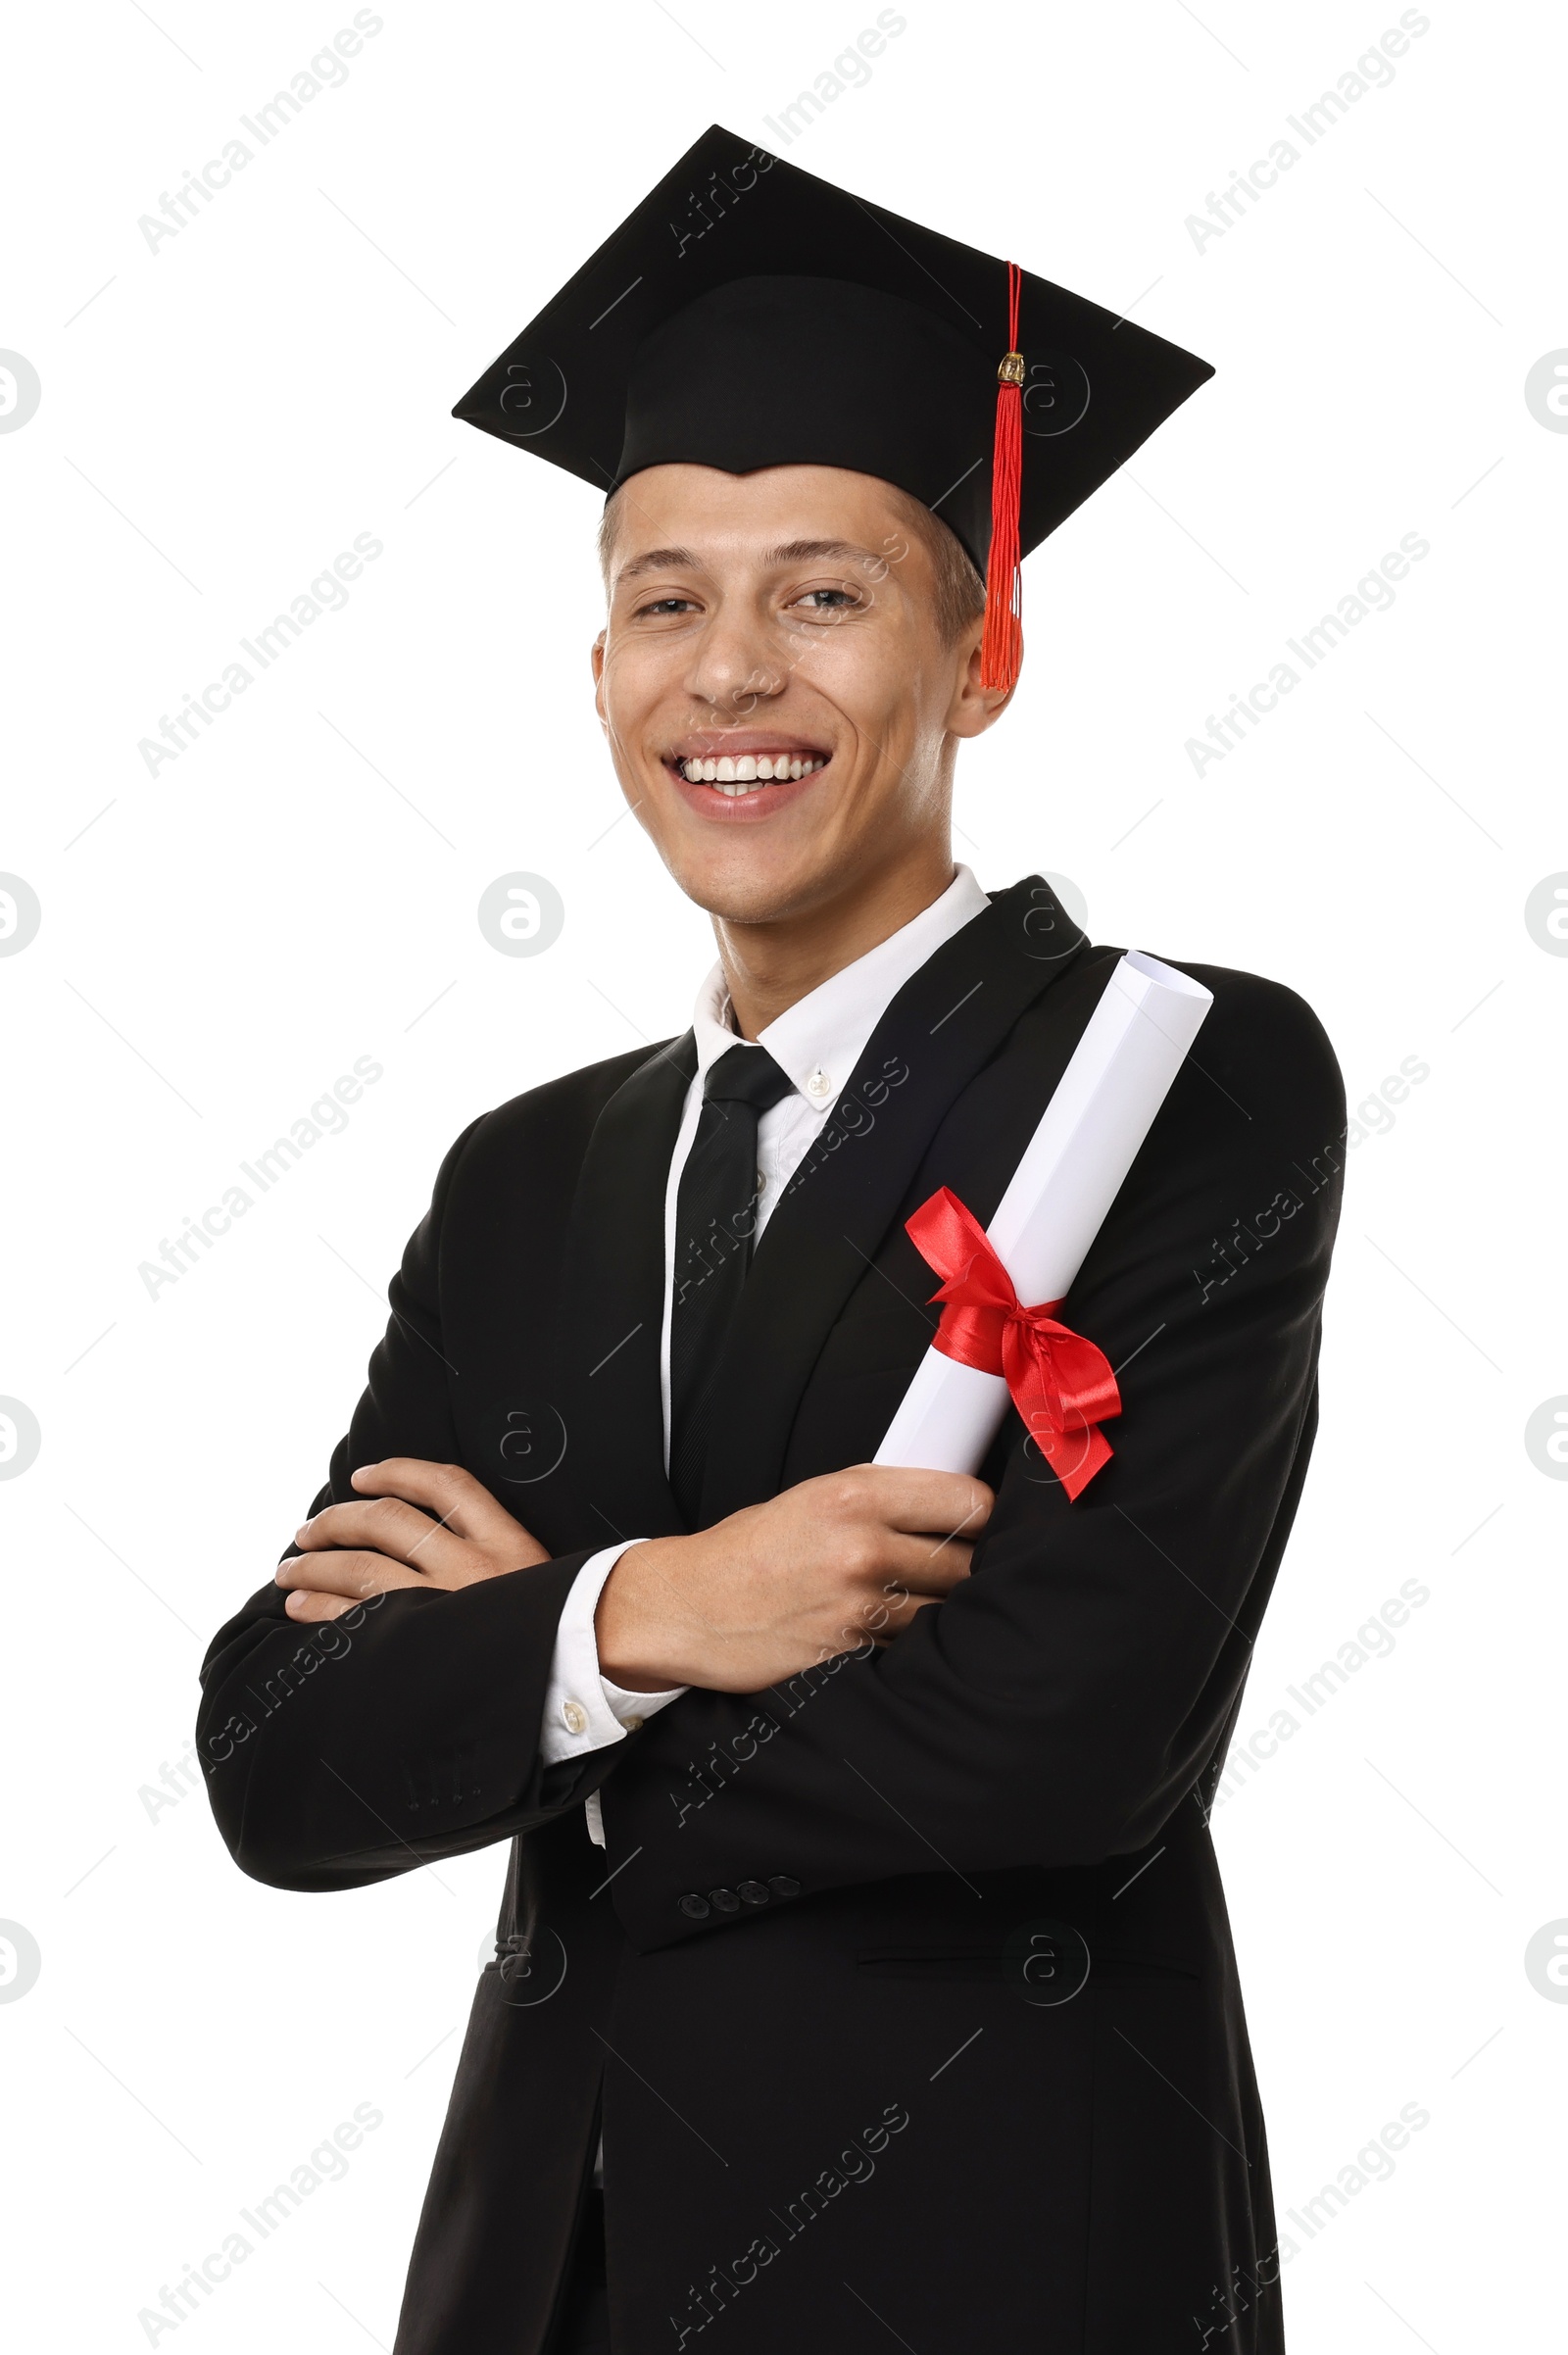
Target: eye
x,y
668,604
827,600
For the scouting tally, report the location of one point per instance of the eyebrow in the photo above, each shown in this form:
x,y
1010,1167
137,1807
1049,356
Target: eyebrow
x,y
791,552
658,560
805,551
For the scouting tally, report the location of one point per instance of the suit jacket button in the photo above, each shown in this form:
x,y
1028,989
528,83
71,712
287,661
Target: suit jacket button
x,y
783,1887
723,1901
695,1906
754,1892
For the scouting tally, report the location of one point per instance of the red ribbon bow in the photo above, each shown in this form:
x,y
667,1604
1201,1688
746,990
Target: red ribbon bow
x,y
1061,1385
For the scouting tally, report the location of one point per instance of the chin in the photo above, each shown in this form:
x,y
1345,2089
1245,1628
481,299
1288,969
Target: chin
x,y
740,886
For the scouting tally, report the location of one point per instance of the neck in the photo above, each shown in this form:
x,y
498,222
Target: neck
x,y
770,966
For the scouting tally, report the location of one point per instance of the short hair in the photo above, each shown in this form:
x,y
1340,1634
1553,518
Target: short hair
x,y
959,595
959,592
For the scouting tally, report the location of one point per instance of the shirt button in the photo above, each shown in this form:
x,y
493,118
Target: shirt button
x,y
754,1892
782,1885
723,1901
633,1725
818,1084
574,1717
696,1907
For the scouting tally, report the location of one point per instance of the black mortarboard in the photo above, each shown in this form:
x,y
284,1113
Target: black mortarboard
x,y
750,315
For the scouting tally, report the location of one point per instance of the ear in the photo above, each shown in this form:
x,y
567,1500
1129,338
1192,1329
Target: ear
x,y
595,662
974,708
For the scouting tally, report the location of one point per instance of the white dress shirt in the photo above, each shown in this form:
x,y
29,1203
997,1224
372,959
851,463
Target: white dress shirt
x,y
816,1044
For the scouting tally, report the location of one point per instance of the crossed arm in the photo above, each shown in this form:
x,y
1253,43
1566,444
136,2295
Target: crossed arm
x,y
1056,1708
822,1569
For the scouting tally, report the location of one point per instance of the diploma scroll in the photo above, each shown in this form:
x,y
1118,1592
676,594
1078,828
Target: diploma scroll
x,y
1060,1194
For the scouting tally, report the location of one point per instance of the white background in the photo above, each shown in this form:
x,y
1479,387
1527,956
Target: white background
x,y
220,418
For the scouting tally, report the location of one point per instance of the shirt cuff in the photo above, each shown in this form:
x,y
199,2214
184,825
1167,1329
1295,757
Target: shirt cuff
x,y
583,1710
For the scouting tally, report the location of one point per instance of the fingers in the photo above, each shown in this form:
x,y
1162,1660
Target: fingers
x,y
386,1525
449,1495
950,1503
883,1617
914,1573
928,1565
310,1610
900,1606
894,1603
352,1576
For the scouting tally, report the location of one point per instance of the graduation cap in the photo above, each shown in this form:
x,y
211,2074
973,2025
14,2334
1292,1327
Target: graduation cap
x,y
747,314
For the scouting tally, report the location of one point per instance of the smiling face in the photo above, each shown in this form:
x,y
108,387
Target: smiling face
x,y
784,676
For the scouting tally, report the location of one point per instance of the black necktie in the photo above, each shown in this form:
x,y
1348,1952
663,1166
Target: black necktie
x,y
715,1221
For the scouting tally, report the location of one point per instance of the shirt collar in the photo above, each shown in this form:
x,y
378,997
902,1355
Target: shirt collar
x,y
823,1034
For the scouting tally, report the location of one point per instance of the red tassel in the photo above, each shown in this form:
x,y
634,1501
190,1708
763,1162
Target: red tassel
x,y
1001,648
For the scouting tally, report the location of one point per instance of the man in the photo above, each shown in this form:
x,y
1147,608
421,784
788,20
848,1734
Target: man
x,y
863,1967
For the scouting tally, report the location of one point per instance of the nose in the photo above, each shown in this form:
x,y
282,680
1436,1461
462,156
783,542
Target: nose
x,y
732,669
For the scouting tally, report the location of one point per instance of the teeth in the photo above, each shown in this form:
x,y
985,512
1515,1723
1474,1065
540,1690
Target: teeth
x,y
735,776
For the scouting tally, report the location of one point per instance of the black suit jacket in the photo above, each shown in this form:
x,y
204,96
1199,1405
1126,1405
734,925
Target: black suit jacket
x,y
825,1990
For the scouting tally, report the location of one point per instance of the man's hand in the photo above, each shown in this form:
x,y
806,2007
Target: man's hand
x,y
822,1569
352,1550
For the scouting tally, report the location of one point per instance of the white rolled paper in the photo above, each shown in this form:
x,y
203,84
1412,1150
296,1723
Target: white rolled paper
x,y
1060,1194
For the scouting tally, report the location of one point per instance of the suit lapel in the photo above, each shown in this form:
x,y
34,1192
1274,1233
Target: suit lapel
x,y
941,1028
614,1295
